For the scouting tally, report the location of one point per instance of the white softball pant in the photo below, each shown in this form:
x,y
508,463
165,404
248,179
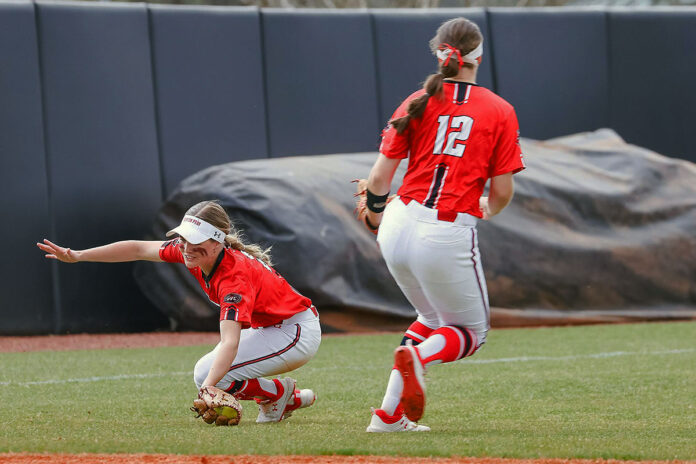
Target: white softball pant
x,y
268,351
437,265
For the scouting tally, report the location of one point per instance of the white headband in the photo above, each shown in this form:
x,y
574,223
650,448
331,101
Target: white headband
x,y
471,57
196,230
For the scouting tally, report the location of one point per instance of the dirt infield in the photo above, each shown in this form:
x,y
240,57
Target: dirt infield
x,y
22,458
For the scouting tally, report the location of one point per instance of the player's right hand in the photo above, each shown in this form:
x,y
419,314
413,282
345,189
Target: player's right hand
x,y
54,251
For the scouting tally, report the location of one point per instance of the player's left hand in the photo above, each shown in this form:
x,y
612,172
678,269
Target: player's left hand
x,y
217,406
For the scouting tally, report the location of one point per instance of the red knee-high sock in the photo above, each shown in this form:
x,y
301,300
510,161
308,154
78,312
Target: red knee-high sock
x,y
258,388
417,333
447,344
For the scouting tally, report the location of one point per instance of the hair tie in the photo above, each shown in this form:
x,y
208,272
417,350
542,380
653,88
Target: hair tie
x,y
445,52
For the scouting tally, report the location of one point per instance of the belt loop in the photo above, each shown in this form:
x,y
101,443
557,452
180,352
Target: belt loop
x,y
449,216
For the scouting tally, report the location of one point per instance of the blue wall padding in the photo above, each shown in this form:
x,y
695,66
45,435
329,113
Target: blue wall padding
x,y
403,55
653,78
26,286
552,65
208,86
320,80
102,151
105,107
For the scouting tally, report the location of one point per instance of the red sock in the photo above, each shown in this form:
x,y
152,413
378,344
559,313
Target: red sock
x,y
447,344
390,419
417,333
252,389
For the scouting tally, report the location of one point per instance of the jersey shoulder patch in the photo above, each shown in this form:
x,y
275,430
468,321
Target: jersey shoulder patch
x,y
232,298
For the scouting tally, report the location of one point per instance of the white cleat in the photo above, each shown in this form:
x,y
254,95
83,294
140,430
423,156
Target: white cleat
x,y
275,412
381,422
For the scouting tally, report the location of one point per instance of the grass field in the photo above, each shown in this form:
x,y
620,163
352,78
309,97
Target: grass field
x,y
609,391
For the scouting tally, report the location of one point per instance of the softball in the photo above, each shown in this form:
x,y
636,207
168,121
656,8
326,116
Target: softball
x,y
230,413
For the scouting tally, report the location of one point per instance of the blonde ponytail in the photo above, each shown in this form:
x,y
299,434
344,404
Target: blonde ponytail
x,y
235,242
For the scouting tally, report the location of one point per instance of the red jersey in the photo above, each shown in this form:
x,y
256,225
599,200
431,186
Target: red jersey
x,y
246,289
463,138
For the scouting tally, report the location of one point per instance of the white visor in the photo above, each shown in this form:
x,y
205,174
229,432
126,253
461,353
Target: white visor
x,y
196,230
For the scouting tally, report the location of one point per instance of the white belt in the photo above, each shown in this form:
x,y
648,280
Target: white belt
x,y
422,213
308,314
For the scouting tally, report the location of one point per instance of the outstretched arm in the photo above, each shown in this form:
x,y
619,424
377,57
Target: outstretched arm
x,y
117,252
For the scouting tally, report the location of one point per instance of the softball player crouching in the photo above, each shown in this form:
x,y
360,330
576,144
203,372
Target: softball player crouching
x,y
456,135
266,326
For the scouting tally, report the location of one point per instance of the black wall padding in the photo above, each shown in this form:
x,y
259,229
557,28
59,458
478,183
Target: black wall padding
x,y
102,149
320,79
209,87
552,65
26,287
653,76
403,52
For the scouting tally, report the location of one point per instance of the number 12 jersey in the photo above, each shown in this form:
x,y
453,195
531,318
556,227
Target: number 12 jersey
x,y
466,135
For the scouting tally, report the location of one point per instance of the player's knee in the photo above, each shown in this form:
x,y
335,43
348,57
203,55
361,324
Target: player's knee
x,y
200,372
469,338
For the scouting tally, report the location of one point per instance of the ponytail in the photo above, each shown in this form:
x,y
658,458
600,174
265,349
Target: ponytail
x,y
432,87
235,242
453,40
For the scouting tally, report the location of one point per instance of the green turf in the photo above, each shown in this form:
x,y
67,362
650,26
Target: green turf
x,y
608,391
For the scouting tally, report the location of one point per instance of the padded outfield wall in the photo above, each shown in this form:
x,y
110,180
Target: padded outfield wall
x,y
106,107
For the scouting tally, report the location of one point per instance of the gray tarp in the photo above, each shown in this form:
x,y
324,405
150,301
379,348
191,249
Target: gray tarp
x,y
597,227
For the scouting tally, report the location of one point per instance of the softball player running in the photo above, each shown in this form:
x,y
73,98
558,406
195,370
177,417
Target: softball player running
x,y
266,327
456,135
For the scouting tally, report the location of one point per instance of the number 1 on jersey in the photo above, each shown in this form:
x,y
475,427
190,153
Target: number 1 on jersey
x,y
455,141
